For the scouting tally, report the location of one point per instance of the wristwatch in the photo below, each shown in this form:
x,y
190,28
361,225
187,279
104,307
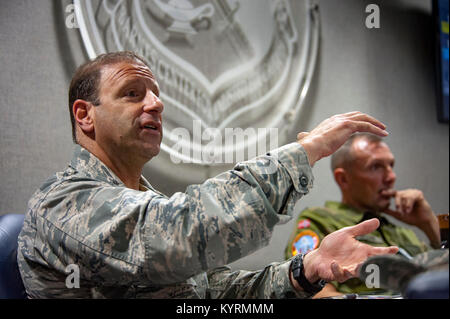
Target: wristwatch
x,y
298,273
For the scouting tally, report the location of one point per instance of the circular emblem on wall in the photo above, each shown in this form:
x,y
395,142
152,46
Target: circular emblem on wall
x,y
232,74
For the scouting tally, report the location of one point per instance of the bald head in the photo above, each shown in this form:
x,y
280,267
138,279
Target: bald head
x,y
344,157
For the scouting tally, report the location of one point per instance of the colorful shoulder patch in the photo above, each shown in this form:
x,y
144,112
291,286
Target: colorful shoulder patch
x,y
304,223
304,242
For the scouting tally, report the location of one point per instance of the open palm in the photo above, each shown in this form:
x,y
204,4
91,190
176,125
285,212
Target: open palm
x,y
340,255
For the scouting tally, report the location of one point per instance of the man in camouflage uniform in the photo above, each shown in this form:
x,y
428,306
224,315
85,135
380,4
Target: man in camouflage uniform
x,y
363,169
102,221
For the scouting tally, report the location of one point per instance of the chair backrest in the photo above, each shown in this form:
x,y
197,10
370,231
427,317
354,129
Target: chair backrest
x,y
432,284
11,285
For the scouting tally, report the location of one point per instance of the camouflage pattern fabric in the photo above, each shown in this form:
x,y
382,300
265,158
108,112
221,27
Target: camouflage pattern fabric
x,y
143,244
396,272
313,224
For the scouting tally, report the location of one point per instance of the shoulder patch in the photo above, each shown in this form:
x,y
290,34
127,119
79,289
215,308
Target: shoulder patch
x,y
304,242
304,223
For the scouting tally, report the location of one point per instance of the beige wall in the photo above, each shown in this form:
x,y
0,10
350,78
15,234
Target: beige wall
x,y
386,72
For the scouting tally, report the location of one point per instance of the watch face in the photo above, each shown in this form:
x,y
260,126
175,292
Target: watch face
x,y
305,242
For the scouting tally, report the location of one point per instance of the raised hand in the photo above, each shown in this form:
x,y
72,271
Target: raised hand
x,y
329,135
412,208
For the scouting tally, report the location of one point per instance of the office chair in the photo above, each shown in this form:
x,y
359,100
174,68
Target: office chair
x,y
11,285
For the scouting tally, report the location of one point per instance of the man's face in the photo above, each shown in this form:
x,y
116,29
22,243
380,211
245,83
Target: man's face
x,y
128,119
371,175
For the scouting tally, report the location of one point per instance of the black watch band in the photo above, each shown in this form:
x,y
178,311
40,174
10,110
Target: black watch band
x,y
299,274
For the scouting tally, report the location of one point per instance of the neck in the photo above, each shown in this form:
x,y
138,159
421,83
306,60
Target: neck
x,y
353,204
128,174
127,168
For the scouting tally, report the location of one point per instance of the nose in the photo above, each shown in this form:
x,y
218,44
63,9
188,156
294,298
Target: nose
x,y
390,176
152,103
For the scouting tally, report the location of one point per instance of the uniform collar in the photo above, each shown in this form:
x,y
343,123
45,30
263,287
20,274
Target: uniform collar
x,y
340,206
369,215
87,164
357,215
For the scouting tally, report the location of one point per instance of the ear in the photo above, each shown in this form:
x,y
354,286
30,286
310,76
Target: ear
x,y
340,175
83,114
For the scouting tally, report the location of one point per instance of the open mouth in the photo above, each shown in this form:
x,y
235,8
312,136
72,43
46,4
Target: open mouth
x,y
152,129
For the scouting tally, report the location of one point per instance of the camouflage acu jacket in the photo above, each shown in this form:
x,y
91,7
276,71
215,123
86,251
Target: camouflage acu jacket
x,y
142,244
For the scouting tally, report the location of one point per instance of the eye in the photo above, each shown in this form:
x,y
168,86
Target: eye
x,y
375,167
131,93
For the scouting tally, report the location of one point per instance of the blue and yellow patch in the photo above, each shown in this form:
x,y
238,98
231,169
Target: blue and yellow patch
x,y
304,242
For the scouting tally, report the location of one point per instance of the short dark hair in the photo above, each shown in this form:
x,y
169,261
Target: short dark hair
x,y
343,157
86,79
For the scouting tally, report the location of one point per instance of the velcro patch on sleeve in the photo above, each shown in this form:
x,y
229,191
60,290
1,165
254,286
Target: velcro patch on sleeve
x,y
304,223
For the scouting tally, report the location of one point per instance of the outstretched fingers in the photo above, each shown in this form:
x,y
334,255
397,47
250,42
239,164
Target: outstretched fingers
x,y
362,117
364,228
363,126
383,250
361,122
